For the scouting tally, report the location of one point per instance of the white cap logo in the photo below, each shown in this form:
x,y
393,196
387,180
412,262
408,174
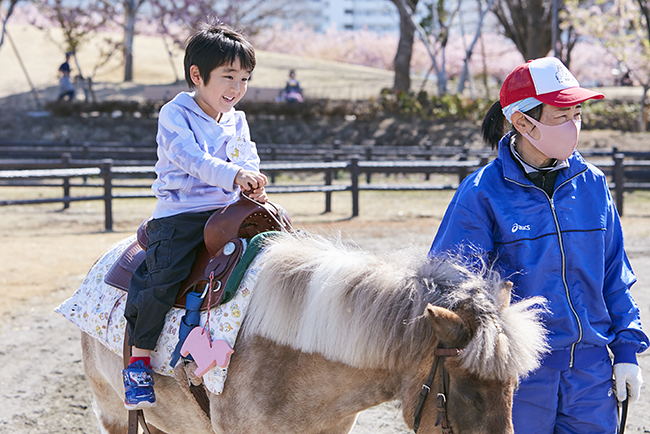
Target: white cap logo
x,y
550,75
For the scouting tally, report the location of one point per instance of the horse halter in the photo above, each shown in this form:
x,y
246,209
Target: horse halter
x,y
443,390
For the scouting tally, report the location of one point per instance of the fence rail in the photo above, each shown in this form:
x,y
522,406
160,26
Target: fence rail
x,y
41,154
108,172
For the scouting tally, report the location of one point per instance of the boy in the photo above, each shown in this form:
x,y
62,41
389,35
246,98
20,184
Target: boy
x,y
205,157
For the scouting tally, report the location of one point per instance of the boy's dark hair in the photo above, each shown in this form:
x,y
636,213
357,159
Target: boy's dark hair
x,y
214,44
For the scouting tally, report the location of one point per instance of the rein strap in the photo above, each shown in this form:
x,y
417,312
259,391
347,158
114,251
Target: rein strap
x,y
442,396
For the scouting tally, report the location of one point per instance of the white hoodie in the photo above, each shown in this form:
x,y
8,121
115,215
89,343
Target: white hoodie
x,y
199,157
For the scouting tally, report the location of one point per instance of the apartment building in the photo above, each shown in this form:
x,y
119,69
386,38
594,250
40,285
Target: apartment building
x,y
375,15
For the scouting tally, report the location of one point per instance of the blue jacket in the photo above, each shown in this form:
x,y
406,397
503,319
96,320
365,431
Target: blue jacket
x,y
567,248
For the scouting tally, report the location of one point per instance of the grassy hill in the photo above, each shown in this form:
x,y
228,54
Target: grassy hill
x,y
41,54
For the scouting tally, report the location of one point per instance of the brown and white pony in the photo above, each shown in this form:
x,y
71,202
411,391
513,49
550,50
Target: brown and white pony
x,y
331,331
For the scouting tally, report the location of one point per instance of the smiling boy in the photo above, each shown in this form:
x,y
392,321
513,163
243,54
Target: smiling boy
x,y
205,158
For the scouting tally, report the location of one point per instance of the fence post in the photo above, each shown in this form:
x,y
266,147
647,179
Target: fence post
x,y
619,181
328,181
65,163
462,171
368,158
85,155
336,145
274,157
107,174
427,147
354,177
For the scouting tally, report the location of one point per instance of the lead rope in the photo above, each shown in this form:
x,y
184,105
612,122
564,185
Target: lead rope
x,y
623,416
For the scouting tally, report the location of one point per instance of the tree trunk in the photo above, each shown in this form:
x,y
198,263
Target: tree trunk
x,y
402,62
538,37
528,24
129,33
643,118
10,10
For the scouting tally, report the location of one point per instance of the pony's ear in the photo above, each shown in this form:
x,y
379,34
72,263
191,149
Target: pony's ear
x,y
450,328
503,298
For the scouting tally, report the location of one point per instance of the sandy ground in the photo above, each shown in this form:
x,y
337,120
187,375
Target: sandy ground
x,y
45,254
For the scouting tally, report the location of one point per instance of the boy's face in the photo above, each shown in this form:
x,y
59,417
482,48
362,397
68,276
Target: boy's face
x,y
227,85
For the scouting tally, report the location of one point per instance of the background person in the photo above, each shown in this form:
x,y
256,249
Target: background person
x,y
292,91
545,219
66,88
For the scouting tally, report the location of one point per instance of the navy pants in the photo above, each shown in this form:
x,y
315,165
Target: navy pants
x,y
552,401
171,249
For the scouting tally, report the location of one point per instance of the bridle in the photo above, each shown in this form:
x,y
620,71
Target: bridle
x,y
443,390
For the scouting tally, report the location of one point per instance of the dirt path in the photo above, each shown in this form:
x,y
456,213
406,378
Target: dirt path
x,y
46,253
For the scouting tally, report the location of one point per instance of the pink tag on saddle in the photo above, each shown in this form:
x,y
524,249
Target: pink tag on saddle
x,y
205,355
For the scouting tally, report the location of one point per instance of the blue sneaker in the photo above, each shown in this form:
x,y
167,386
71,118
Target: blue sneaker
x,y
138,386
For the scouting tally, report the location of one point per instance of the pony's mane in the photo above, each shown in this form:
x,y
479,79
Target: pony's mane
x,y
316,295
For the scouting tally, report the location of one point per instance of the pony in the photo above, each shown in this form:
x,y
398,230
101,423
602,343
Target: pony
x,y
332,330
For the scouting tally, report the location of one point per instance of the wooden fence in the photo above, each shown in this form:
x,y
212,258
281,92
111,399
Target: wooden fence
x,y
108,171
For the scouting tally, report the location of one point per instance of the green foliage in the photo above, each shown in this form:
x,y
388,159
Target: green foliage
x,y
422,105
113,108
611,114
603,114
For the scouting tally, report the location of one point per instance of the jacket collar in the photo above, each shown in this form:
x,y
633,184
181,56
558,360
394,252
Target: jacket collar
x,y
513,171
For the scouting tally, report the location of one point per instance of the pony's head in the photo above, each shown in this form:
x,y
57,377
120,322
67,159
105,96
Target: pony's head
x,y
469,309
390,313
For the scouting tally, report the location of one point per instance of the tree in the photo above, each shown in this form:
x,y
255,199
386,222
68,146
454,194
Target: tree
x,y
79,21
11,5
130,10
529,24
402,62
175,18
470,49
623,28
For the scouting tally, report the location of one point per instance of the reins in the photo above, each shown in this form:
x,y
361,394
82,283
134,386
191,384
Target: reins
x,y
443,389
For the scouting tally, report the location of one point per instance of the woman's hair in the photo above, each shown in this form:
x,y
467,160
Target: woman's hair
x,y
213,45
494,123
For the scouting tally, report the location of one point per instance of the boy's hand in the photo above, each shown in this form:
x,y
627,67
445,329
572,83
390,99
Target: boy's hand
x,y
252,183
258,194
250,180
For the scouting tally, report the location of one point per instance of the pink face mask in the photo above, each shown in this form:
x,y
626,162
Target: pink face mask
x,y
556,141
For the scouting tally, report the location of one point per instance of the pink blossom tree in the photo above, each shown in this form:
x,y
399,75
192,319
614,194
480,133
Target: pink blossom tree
x,y
78,20
622,28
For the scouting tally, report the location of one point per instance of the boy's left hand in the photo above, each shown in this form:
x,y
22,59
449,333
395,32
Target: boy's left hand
x,y
258,194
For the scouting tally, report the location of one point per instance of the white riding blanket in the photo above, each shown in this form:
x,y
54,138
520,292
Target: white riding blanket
x,y
98,310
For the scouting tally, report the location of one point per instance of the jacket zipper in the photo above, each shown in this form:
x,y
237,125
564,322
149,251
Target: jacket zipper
x,y
563,256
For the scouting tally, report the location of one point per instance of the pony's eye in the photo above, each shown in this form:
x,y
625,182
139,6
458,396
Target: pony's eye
x,y
471,397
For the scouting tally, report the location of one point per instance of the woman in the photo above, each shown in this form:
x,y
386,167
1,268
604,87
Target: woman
x,y
545,219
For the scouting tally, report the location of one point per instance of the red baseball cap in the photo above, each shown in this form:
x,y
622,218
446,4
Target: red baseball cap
x,y
547,80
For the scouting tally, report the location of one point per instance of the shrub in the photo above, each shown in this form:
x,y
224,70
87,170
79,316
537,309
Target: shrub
x,y
604,114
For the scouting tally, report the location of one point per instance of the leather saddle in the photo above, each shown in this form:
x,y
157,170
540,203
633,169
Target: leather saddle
x,y
221,250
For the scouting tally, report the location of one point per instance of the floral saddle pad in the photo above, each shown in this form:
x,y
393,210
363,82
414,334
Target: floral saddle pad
x,y
98,310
